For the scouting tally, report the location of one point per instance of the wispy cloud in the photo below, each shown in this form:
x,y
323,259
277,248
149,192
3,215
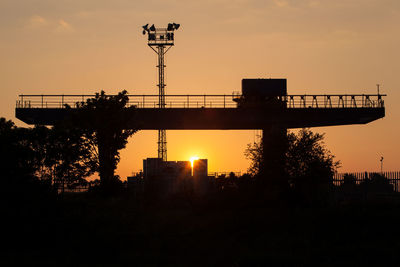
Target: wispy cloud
x,y
281,3
36,21
63,26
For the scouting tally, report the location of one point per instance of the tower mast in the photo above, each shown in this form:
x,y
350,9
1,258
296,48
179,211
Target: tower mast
x,y
160,40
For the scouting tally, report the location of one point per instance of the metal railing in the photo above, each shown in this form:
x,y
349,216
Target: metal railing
x,y
209,101
392,177
334,101
224,174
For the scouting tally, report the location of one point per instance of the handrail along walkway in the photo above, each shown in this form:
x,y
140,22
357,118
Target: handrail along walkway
x,y
210,101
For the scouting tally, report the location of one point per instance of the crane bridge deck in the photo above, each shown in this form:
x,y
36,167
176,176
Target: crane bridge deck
x,y
222,112
208,101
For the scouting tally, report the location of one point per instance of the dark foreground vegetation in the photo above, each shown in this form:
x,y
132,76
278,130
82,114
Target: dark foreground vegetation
x,y
228,229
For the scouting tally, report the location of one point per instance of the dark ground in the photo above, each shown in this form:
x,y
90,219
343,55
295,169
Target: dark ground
x,y
86,230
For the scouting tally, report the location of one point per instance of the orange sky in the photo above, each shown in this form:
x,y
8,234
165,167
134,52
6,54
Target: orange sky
x,y
320,46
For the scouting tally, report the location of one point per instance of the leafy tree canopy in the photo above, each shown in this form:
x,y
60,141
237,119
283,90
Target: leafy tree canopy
x,y
306,157
104,122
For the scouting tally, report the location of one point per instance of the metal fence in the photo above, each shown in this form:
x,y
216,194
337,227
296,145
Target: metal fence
x,y
224,174
393,178
208,101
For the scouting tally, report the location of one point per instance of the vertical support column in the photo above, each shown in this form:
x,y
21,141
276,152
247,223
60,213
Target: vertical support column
x,y
274,141
162,135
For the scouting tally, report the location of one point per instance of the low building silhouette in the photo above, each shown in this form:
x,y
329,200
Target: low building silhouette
x,y
135,184
203,183
165,178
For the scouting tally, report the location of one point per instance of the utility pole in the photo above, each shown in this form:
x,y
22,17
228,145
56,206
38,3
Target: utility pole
x,y
160,40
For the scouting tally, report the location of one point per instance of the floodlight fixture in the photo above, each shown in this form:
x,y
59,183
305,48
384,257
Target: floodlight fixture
x,y
160,36
170,36
176,26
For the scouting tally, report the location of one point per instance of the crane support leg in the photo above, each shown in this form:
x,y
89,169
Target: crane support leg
x,y
275,144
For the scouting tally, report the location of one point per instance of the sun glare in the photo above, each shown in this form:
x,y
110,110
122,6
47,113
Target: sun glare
x,y
192,159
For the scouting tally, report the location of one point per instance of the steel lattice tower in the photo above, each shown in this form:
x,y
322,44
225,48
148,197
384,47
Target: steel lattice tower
x,y
161,40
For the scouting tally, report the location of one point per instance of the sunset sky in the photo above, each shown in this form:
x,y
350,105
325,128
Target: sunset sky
x,y
320,46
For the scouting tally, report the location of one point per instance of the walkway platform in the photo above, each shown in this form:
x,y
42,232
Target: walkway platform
x,y
219,112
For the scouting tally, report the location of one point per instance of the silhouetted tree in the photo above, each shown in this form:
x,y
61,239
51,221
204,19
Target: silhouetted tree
x,y
349,179
254,153
16,157
39,141
103,121
58,154
306,158
18,165
69,155
377,183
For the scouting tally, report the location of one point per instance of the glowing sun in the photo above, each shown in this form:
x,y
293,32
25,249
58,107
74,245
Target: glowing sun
x,y
192,159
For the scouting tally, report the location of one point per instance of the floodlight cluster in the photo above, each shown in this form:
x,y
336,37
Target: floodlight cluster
x,y
171,27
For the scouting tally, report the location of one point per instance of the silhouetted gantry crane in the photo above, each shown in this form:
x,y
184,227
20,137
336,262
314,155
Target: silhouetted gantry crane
x,y
263,104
